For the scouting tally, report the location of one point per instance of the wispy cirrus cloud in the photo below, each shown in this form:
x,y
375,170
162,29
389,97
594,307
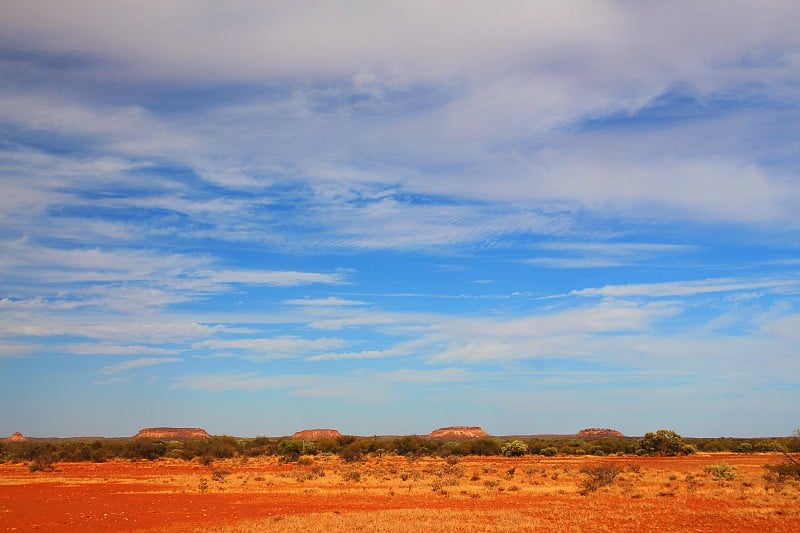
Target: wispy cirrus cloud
x,y
600,255
114,349
270,348
302,385
687,288
330,301
139,363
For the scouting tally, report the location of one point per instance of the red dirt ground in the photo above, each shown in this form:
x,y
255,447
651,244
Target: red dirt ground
x,y
164,495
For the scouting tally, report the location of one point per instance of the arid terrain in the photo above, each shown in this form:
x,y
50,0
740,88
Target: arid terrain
x,y
395,493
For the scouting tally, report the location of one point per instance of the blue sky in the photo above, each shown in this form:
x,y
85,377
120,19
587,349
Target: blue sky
x,y
259,217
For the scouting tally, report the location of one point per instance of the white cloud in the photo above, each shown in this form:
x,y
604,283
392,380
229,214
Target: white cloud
x,y
365,354
428,376
247,382
330,301
401,349
492,80
114,349
786,328
267,277
13,349
420,39
685,288
271,348
603,254
138,363
166,331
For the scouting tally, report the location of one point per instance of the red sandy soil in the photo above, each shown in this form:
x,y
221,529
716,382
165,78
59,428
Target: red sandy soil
x,y
165,496
598,432
172,433
458,432
316,434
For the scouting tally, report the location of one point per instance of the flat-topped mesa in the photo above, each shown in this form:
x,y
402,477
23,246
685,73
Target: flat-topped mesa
x,y
599,432
172,433
16,437
316,434
458,432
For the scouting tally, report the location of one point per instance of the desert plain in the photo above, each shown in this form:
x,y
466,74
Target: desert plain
x,y
394,493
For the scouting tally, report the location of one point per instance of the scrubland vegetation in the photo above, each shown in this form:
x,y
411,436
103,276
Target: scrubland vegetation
x,y
656,482
45,452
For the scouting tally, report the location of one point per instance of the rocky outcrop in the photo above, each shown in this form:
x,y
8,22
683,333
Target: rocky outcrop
x,y
172,433
598,432
316,434
16,437
458,432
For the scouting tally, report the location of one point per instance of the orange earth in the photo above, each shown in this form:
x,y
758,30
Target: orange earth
x,y
392,493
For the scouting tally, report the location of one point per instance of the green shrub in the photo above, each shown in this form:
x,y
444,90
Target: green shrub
x,y
515,448
744,447
550,451
721,471
292,449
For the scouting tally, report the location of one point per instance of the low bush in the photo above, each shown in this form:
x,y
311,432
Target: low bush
x,y
515,448
721,471
598,476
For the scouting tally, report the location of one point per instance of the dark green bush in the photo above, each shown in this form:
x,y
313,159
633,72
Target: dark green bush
x,y
484,446
665,442
408,445
148,449
222,447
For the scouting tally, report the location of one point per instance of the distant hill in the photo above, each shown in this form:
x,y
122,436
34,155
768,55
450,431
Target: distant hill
x,y
316,434
172,433
458,432
598,432
16,437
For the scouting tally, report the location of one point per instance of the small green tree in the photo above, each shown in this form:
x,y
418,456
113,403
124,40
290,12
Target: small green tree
x,y
515,448
664,442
